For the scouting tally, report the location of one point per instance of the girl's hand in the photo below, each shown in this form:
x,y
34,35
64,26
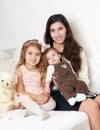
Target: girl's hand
x,y
46,90
40,99
46,97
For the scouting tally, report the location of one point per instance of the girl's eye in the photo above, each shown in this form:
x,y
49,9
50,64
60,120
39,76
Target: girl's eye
x,y
38,54
30,53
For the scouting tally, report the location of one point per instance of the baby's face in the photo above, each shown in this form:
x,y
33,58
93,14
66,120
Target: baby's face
x,y
53,57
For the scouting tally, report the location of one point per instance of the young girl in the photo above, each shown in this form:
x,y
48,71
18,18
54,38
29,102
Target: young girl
x,y
31,72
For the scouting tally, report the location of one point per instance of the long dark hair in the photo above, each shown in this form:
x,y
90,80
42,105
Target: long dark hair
x,y
71,48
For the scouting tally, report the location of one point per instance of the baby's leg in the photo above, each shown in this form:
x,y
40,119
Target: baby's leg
x,y
80,97
50,105
68,92
72,101
81,87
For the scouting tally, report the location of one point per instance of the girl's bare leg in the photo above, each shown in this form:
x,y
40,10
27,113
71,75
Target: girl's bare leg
x,y
91,107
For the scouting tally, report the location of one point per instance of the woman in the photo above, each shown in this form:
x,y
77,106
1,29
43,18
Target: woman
x,y
58,34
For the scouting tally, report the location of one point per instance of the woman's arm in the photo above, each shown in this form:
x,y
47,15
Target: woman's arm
x,y
83,74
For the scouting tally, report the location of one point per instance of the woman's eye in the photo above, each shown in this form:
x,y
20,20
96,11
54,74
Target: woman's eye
x,y
60,28
52,30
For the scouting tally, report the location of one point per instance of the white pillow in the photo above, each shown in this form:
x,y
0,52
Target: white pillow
x,y
4,55
7,62
94,74
16,52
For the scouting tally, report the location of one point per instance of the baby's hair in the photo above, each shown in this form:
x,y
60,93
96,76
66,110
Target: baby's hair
x,y
42,65
49,49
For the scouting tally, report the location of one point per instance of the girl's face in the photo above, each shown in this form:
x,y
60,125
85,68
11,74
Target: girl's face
x,y
53,57
58,32
32,56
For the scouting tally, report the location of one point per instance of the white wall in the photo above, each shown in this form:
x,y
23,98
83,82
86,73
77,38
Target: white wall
x,y
21,20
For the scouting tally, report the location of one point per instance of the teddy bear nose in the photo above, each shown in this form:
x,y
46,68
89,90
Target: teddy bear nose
x,y
7,84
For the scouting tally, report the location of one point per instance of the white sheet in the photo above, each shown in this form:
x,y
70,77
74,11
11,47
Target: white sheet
x,y
58,121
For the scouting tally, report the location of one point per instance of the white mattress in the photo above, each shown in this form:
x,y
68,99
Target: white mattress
x,y
58,121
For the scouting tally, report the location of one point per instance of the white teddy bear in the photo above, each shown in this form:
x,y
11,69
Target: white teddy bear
x,y
8,80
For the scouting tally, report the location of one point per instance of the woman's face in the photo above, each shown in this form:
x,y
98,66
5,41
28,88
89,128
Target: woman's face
x,y
58,32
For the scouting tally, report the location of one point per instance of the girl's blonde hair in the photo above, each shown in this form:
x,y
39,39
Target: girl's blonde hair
x,y
42,65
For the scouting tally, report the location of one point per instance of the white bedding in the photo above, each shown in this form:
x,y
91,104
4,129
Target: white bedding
x,y
65,120
58,121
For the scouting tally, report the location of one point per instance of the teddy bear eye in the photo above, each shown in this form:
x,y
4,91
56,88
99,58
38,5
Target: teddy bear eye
x,y
2,80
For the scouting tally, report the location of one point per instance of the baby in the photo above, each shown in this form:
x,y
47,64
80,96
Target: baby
x,y
73,89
